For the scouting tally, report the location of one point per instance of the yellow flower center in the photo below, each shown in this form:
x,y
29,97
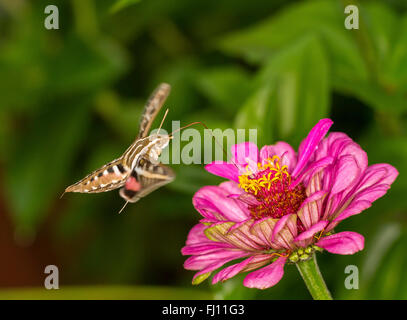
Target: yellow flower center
x,y
250,183
270,185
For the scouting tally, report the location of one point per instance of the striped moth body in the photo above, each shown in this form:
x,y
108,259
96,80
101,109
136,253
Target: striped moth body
x,y
137,172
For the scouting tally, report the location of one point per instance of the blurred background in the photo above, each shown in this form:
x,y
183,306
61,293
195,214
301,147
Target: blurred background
x,y
70,101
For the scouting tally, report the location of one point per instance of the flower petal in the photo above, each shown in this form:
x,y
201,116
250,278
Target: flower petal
x,y
266,277
310,143
240,238
224,170
230,209
254,262
347,172
374,183
355,207
263,228
376,175
310,210
204,248
196,234
202,261
390,175
312,169
230,271
342,243
285,237
311,231
280,225
338,144
207,209
245,153
206,272
231,187
283,150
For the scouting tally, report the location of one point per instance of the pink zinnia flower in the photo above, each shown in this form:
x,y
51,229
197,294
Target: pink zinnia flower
x,y
280,206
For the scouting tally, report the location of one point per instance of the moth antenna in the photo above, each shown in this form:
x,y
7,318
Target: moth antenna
x,y
123,207
62,195
210,131
162,121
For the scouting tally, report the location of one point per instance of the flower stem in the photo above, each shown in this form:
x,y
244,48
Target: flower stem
x,y
309,271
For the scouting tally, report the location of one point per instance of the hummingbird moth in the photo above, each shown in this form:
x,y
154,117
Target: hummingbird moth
x,y
137,172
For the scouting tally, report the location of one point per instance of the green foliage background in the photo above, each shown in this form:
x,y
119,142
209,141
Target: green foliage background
x,y
70,101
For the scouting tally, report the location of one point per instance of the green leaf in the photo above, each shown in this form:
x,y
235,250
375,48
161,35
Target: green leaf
x,y
397,62
380,41
375,96
390,280
121,4
121,115
224,86
80,66
379,246
392,150
40,64
255,112
322,18
362,62
382,25
41,160
292,94
180,74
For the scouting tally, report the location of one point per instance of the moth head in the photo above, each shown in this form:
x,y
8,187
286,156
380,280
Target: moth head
x,y
160,141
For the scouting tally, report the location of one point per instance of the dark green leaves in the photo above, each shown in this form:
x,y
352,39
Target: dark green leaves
x,y
122,4
41,160
47,87
367,63
292,94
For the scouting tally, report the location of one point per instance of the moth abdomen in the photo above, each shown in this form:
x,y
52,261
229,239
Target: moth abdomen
x,y
109,177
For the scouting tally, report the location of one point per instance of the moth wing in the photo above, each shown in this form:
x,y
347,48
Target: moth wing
x,y
144,179
109,177
152,107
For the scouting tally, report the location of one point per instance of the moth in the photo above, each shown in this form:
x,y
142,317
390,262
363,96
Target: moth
x,y
137,172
